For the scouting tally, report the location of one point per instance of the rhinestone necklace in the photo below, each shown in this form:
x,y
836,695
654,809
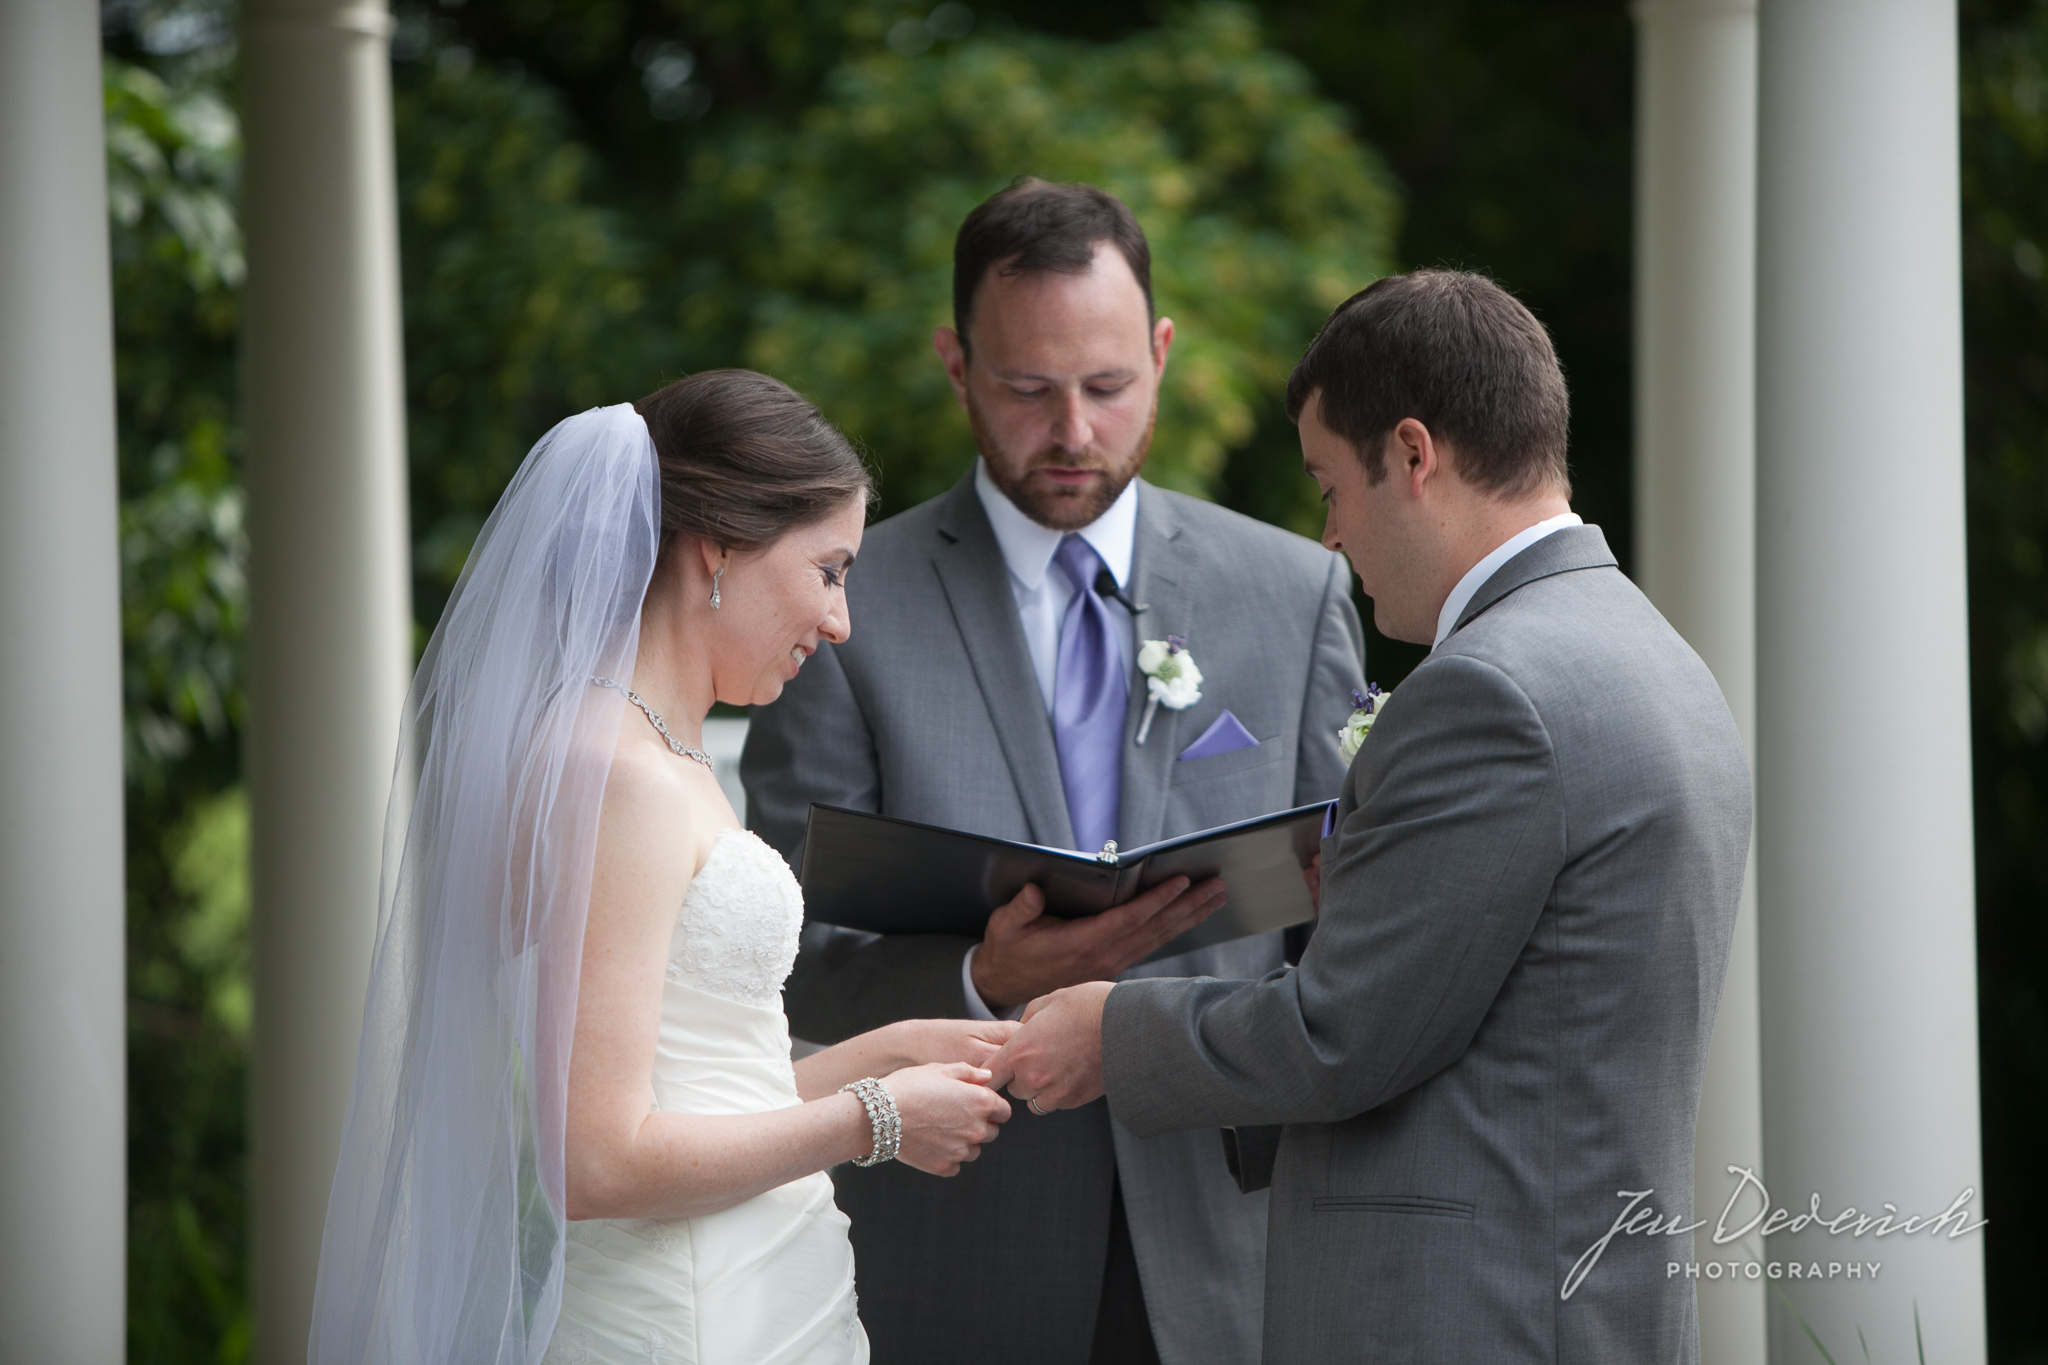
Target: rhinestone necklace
x,y
674,744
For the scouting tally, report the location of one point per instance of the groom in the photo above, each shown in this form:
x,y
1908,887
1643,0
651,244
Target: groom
x,y
1488,1062
992,686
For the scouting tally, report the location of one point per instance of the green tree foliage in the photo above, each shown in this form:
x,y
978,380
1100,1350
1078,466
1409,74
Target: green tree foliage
x,y
524,300
816,244
173,151
1263,213
1506,124
2005,219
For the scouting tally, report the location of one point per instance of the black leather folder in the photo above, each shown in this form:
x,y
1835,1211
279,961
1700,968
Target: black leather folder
x,y
890,876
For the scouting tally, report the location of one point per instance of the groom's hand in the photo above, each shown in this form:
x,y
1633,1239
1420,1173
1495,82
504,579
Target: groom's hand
x,y
1026,953
1055,1060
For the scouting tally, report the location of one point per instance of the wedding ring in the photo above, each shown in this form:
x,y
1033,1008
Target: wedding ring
x,y
1032,1105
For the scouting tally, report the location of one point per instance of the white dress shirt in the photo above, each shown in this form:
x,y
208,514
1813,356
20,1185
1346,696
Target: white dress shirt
x,y
1476,576
1042,594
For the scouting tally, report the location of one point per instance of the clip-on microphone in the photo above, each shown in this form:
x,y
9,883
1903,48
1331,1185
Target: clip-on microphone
x,y
1105,586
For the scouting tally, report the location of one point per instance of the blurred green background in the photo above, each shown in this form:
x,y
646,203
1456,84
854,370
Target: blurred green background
x,y
599,195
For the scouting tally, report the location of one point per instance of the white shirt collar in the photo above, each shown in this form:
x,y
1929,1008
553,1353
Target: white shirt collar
x,y
1028,548
1476,576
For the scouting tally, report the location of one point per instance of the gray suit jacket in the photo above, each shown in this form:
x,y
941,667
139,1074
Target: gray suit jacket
x,y
1503,1016
931,712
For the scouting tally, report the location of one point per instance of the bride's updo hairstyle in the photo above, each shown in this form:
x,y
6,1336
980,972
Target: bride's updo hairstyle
x,y
745,459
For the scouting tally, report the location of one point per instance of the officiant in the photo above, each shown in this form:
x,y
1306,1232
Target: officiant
x,y
999,680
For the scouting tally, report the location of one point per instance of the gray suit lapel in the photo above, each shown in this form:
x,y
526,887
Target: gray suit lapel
x,y
1160,577
977,586
1575,547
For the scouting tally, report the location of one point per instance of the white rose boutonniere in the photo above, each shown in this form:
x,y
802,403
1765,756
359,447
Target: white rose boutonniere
x,y
1368,704
1171,678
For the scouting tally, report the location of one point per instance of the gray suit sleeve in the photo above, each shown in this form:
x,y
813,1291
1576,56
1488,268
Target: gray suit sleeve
x,y
814,745
1338,666
1437,876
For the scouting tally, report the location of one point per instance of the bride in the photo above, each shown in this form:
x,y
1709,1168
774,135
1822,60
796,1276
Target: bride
x,y
575,1131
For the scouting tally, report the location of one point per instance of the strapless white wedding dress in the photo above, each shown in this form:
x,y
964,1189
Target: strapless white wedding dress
x,y
767,1282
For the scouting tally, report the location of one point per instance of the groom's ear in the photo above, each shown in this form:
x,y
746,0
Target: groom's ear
x,y
953,352
1414,454
1162,340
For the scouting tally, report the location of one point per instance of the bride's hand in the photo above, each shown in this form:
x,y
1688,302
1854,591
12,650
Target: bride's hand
x,y
890,1049
947,1111
972,1041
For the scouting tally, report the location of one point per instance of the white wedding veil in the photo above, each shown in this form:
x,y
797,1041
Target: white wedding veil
x,y
444,1229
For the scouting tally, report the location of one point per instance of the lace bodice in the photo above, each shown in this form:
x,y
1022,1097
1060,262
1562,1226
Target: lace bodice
x,y
736,936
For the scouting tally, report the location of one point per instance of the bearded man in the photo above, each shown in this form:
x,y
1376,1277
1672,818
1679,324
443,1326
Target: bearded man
x,y
993,686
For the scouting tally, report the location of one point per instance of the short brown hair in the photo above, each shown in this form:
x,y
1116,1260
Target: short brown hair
x,y
1035,226
745,459
1460,355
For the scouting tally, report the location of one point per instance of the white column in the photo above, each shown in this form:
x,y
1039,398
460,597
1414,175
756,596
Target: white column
x,y
330,623
1863,776
1695,465
63,1139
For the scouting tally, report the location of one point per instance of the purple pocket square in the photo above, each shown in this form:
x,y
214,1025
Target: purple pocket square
x,y
1225,734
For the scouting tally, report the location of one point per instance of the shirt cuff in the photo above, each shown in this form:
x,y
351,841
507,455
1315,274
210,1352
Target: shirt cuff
x,y
977,1008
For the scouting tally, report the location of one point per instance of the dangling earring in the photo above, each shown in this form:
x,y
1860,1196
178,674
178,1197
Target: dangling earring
x,y
714,586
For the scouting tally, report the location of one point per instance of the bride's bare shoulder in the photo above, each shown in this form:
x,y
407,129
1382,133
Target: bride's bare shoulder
x,y
655,831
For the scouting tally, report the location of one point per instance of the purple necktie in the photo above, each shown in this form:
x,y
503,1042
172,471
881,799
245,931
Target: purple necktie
x,y
1089,695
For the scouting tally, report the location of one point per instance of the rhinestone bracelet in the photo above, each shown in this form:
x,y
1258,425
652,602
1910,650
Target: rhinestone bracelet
x,y
883,1120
